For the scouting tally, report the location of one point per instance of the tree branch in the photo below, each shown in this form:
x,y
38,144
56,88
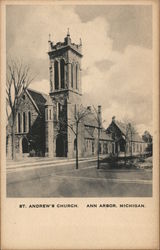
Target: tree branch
x,y
18,79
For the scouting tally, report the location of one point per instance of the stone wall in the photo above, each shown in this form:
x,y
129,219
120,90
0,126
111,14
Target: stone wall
x,y
34,135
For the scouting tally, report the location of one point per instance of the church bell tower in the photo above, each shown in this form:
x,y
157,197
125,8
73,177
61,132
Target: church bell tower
x,y
65,66
65,90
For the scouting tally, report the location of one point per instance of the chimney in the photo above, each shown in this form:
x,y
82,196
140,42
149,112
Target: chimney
x,y
80,42
49,39
113,119
100,115
129,125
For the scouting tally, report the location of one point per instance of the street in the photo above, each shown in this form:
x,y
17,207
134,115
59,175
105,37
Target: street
x,y
63,180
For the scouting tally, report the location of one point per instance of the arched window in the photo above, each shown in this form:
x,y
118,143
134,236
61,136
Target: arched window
x,y
25,145
75,144
24,122
72,75
75,110
29,120
99,148
59,109
50,115
113,148
46,114
60,146
19,123
62,64
7,139
92,147
76,76
107,148
56,75
133,147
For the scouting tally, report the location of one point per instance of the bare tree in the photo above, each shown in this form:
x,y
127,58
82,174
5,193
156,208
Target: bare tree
x,y
148,139
18,79
130,133
73,123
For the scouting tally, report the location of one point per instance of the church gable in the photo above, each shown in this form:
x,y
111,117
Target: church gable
x,y
31,108
38,99
115,131
29,125
27,114
25,104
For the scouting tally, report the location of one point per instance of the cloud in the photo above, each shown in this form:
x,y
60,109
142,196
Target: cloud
x,y
42,86
129,24
30,39
126,88
123,87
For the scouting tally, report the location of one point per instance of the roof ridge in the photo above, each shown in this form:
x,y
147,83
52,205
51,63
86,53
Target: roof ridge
x,y
120,122
38,92
32,100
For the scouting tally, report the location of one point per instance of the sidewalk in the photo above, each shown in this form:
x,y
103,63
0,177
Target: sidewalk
x,y
43,161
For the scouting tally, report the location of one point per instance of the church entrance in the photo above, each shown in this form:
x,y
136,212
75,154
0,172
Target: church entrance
x,y
60,146
117,148
24,145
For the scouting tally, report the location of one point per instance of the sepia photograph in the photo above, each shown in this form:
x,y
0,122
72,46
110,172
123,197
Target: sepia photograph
x,y
79,124
79,84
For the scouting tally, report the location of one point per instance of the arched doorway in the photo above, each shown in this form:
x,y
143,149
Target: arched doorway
x,y
60,146
24,145
116,148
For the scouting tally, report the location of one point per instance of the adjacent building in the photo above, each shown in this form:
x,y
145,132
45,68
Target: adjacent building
x,y
126,138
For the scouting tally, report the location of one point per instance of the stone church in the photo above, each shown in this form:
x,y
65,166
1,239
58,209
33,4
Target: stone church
x,y
45,123
127,140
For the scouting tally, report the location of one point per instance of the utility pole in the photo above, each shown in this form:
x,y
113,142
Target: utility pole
x,y
98,147
99,121
99,124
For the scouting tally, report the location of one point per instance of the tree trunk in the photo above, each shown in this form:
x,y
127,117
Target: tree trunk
x,y
76,146
12,143
131,144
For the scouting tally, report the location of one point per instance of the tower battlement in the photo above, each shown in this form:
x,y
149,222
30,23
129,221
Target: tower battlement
x,y
67,44
65,65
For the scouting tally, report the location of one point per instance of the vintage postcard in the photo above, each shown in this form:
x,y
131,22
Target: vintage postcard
x,y
80,124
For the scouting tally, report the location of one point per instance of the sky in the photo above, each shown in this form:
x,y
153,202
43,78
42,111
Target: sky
x,y
117,53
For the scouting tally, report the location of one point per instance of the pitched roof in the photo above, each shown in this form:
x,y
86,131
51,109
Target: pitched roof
x,y
39,99
122,126
89,134
90,120
134,136
105,136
